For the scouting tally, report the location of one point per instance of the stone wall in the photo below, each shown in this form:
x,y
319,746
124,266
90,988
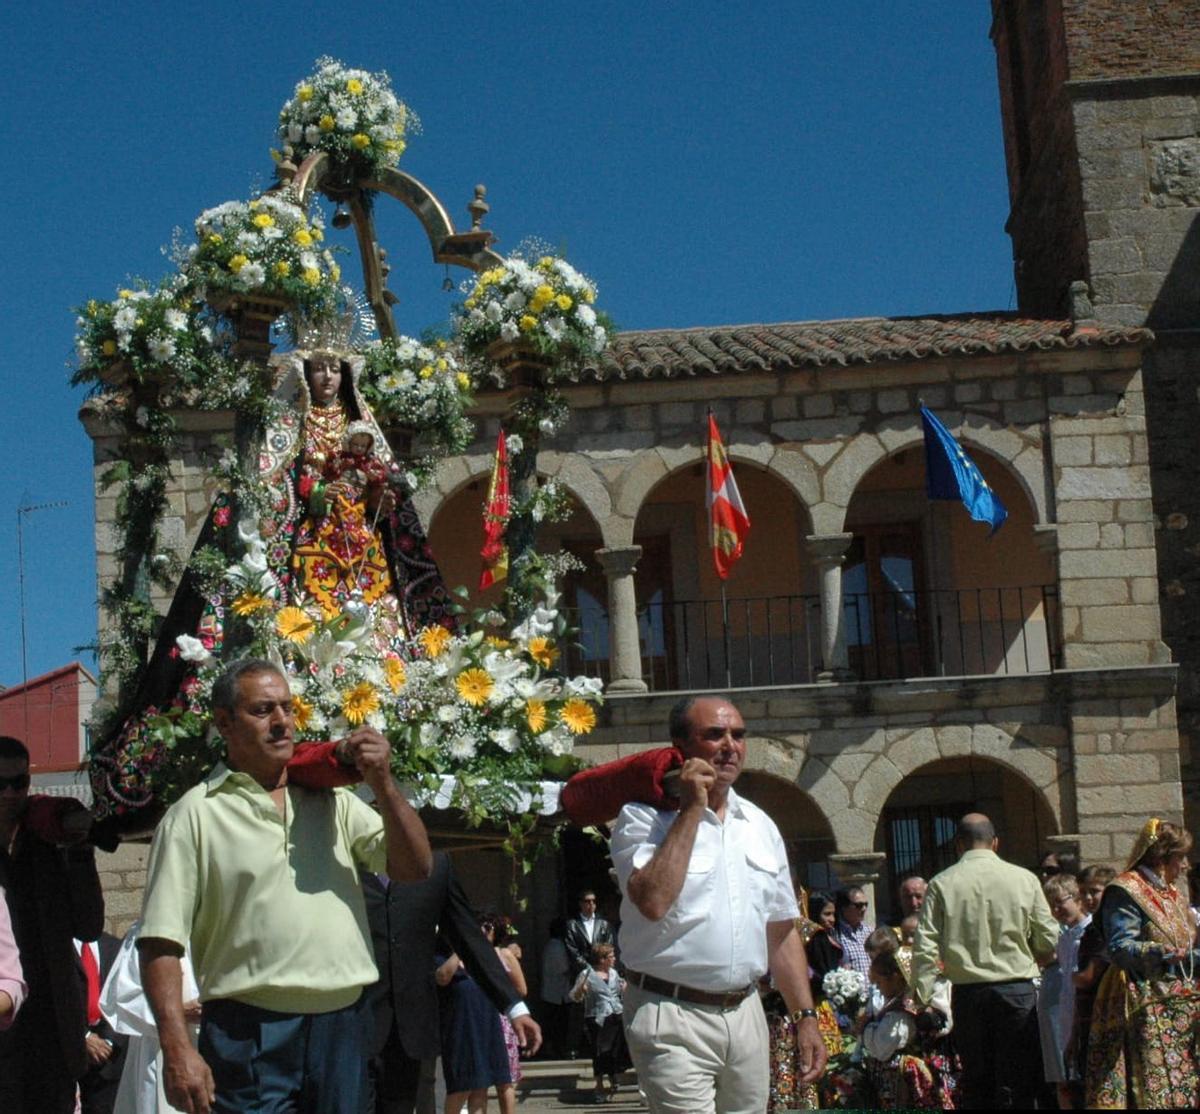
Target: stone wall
x,y
122,878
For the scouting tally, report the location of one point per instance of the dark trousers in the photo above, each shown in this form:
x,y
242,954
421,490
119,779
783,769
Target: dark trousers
x,y
265,1062
555,1018
996,1034
33,1076
398,1084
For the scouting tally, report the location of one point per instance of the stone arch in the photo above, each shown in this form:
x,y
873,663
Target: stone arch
x,y
854,786
1021,457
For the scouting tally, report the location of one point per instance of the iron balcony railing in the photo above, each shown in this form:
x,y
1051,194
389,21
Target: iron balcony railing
x,y
776,640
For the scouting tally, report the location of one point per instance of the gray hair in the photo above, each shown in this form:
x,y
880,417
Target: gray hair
x,y
225,687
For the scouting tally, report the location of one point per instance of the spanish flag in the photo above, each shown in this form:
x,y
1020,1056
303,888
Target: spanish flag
x,y
728,522
495,519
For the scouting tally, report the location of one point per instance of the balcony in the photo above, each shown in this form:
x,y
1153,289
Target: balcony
x,y
776,640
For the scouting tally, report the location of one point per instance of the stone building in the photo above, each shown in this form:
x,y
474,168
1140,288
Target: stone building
x,y
1101,108
896,666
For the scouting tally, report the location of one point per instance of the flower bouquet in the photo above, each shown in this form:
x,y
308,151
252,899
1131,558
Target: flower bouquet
x,y
145,333
351,114
268,247
422,387
846,990
545,306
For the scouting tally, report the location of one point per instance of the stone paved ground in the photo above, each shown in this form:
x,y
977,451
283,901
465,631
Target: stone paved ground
x,y
565,1087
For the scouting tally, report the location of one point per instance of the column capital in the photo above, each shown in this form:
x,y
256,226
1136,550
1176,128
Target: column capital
x,y
858,868
828,549
619,560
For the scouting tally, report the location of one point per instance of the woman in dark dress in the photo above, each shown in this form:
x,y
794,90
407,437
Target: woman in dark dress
x,y
473,1054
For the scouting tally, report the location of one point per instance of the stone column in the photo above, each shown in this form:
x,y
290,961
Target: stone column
x,y
861,869
827,551
624,648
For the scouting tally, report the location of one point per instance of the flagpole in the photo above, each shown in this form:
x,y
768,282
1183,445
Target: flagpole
x,y
725,631
935,571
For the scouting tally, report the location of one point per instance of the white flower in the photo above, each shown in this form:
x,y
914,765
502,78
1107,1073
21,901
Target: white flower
x,y
462,747
252,275
160,347
586,315
506,739
347,119
585,686
294,132
514,444
546,425
555,327
429,733
142,416
192,649
508,329
600,337
556,741
274,232
516,301
125,319
447,713
493,312
308,260
176,320
83,351
312,135
406,350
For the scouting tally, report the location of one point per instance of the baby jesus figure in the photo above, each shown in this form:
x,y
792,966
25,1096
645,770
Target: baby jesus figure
x,y
355,474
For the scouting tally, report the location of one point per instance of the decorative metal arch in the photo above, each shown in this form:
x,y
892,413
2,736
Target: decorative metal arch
x,y
470,249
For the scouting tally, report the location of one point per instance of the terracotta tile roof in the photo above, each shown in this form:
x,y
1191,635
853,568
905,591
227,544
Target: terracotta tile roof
x,y
666,353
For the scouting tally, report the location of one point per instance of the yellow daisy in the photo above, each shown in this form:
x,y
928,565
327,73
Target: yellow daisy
x,y
295,624
302,712
434,640
535,716
359,702
577,716
542,651
497,642
474,686
250,602
394,673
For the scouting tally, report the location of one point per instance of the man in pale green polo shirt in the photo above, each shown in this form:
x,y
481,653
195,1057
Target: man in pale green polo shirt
x,y
986,925
262,878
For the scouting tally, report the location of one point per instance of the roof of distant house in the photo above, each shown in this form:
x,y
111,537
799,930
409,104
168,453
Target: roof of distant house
x,y
789,346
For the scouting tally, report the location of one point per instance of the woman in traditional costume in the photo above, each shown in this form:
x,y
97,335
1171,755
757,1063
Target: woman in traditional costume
x,y
1142,1042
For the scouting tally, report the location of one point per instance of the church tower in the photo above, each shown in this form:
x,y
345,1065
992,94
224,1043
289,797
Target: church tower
x,y
1100,102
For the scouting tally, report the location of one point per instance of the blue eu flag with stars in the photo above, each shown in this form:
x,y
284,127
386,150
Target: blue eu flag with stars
x,y
951,474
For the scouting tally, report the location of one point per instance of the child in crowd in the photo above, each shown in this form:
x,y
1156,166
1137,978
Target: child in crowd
x,y
905,1057
1062,894
908,930
1090,964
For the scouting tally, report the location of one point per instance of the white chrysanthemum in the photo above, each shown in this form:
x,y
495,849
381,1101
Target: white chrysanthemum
x,y
513,444
506,738
160,347
509,331
312,135
252,275
274,232
308,260
406,350
476,316
447,713
461,747
516,301
407,378
586,315
600,337
125,319
493,312
347,119
428,734
555,328
295,132
176,319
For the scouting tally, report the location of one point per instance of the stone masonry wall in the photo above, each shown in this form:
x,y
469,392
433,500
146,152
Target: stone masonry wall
x,y
122,878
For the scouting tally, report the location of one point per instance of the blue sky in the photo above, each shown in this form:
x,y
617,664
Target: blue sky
x,y
706,163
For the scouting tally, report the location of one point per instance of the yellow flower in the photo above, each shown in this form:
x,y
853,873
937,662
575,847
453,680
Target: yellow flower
x,y
474,686
527,323
283,268
250,602
326,123
139,322
294,624
335,272
124,293
354,86
93,307
426,372
545,263
302,712
577,716
463,380
441,346
394,673
542,297
441,364
317,234
215,238
263,220
435,640
535,715
109,348
360,140
589,295
311,275
238,262
543,652
563,301
498,642
359,702
471,303
304,93
303,237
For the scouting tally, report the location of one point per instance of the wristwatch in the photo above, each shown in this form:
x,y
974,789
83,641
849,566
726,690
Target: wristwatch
x,y
800,1015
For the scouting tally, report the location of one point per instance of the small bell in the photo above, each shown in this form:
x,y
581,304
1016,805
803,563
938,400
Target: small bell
x,y
356,609
341,216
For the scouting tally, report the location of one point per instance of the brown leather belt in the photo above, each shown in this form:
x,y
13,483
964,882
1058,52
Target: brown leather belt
x,y
726,999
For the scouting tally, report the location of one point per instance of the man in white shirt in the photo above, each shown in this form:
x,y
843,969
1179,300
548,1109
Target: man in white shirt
x,y
708,907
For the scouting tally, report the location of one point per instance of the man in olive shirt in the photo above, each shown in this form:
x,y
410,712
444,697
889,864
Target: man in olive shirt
x,y
986,926
262,879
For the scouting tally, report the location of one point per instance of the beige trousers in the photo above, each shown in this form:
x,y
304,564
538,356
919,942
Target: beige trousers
x,y
698,1059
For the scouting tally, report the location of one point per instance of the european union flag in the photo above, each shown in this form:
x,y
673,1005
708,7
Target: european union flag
x,y
951,474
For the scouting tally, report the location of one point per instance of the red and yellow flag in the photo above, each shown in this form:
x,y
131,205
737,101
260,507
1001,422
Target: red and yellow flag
x,y
728,522
495,518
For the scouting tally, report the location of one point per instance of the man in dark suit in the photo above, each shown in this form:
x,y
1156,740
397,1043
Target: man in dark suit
x,y
405,919
585,931
105,1048
54,898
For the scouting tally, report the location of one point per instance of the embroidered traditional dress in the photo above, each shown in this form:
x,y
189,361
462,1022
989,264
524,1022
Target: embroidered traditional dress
x,y
1142,1043
906,1069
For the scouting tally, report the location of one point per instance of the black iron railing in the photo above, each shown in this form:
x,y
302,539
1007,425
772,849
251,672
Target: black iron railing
x,y
776,640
